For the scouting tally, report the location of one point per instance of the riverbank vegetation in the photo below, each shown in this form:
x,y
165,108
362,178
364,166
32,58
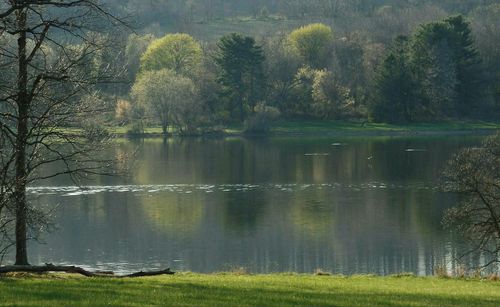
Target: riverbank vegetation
x,y
195,67
230,289
251,65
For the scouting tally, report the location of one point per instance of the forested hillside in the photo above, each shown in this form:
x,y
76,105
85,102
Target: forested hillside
x,y
256,61
380,20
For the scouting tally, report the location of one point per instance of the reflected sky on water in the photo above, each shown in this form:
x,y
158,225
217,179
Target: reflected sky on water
x,y
351,206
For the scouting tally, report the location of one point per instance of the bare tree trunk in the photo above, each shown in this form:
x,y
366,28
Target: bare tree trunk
x,y
59,91
164,127
241,108
21,139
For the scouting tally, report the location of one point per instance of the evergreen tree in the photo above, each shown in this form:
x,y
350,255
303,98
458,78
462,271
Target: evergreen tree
x,y
447,67
395,96
434,75
241,75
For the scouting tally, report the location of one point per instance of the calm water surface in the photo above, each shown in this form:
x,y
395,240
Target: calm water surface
x,y
348,206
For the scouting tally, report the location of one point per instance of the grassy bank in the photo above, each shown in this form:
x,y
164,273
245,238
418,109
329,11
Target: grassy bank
x,y
347,128
248,290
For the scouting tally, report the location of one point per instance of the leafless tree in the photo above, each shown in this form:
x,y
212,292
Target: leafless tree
x,y
474,173
6,219
47,97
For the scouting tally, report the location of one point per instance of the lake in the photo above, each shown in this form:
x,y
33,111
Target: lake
x,y
343,205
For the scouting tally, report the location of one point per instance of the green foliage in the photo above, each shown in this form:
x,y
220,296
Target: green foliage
x,y
486,30
447,67
241,74
260,122
177,52
170,97
318,94
301,100
395,92
365,31
434,75
330,99
447,80
209,89
313,43
135,48
353,65
281,66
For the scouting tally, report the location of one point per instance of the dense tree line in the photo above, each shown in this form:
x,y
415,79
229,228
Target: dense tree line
x,y
389,61
434,73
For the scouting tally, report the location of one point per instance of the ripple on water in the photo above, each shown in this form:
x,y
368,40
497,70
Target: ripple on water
x,y
74,191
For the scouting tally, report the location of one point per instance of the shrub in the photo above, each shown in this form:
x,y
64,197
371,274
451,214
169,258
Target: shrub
x,y
137,128
123,111
260,122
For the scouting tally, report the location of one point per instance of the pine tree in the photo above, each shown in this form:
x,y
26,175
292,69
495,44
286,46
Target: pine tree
x,y
395,99
241,75
447,67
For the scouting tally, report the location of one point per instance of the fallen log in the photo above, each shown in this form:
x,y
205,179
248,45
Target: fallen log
x,y
49,267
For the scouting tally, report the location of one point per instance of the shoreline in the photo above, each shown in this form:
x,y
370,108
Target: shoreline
x,y
323,128
326,133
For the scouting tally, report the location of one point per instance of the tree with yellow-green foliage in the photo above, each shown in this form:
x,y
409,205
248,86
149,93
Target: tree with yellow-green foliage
x,y
170,97
313,43
178,52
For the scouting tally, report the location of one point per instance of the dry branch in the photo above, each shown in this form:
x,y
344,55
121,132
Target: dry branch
x,y
76,270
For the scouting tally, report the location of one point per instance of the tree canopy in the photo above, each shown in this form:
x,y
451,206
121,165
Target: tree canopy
x,y
395,99
240,61
435,74
313,43
178,52
446,64
169,97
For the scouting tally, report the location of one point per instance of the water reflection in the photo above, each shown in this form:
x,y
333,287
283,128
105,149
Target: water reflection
x,y
285,204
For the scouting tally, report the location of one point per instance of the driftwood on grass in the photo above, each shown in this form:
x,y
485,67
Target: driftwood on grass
x,y
76,270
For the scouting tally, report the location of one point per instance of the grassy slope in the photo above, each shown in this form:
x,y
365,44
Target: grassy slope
x,y
249,290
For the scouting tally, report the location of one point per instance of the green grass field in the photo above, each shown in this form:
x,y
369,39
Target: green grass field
x,y
188,289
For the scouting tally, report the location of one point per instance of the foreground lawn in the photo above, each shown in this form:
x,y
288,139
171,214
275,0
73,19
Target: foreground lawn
x,y
247,290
